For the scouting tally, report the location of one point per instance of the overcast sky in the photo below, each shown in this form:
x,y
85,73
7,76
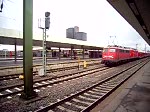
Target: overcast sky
x,y
95,17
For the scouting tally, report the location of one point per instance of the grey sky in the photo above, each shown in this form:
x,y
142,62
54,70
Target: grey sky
x,y
95,17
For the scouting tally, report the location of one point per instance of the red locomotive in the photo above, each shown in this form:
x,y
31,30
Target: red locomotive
x,y
118,54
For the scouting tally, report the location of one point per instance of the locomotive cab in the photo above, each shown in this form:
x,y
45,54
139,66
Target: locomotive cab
x,y
109,55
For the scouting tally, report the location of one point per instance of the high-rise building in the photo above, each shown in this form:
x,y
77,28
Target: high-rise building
x,y
81,36
76,29
73,33
70,33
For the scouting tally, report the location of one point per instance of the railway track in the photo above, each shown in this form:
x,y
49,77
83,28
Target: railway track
x,y
62,68
85,99
8,91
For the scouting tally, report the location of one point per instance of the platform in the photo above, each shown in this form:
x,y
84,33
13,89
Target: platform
x,y
132,96
6,63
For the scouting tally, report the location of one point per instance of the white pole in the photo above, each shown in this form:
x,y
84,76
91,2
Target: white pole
x,y
43,52
5,53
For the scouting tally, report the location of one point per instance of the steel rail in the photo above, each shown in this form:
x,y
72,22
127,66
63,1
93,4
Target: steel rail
x,y
13,76
102,96
66,77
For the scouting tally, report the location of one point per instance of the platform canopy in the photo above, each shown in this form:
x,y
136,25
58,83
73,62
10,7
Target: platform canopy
x,y
137,13
10,37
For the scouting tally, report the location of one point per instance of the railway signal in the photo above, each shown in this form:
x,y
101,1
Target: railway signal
x,y
44,28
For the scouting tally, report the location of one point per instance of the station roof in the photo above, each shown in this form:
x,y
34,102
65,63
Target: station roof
x,y
10,37
137,13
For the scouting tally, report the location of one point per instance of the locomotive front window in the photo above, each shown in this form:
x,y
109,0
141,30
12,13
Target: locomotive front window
x,y
112,50
105,50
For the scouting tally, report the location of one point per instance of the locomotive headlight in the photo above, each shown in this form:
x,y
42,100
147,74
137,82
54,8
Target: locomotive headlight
x,y
111,56
108,57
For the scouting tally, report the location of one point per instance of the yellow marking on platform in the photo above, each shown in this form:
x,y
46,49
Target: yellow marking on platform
x,y
21,77
84,64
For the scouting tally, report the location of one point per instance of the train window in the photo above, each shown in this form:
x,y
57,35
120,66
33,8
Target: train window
x,y
121,50
126,51
112,50
105,50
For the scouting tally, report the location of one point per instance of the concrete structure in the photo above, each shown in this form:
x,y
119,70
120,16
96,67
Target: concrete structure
x,y
11,36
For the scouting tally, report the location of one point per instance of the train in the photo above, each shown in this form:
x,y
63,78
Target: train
x,y
114,54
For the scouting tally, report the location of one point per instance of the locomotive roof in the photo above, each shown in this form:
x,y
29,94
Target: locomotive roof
x,y
120,47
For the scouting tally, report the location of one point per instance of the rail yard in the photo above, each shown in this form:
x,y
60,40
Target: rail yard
x,y
74,56
66,87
